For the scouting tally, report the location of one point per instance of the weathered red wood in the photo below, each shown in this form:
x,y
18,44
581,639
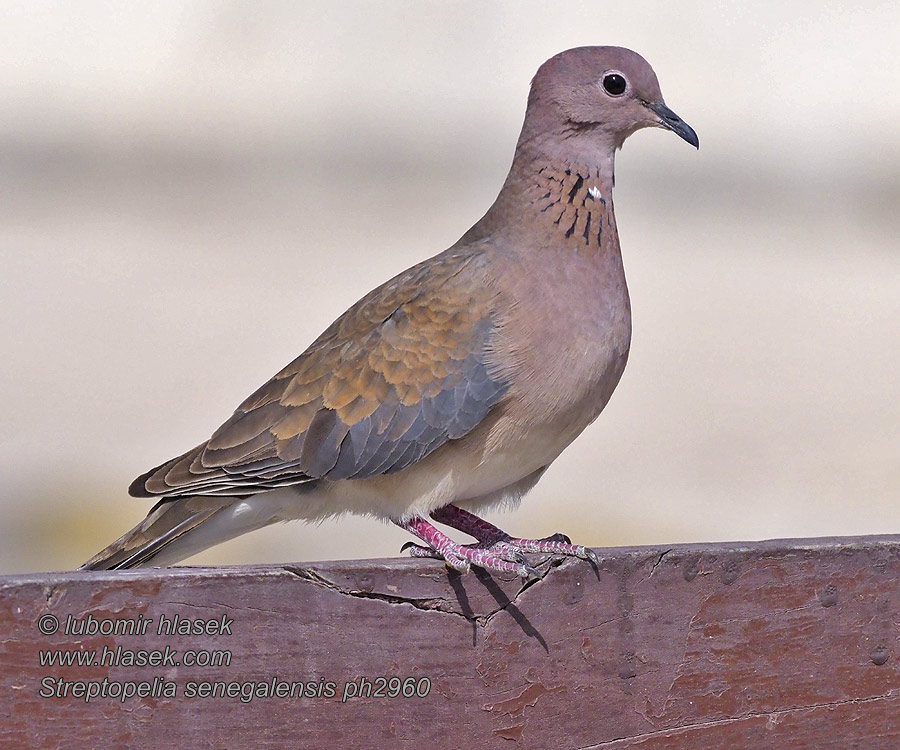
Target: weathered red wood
x,y
772,644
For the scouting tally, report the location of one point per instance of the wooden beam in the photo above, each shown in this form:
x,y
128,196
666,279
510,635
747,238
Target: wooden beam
x,y
772,644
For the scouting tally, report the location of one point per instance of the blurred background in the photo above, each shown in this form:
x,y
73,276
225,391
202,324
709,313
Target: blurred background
x,y
192,192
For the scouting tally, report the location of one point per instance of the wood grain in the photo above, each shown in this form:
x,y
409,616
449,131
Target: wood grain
x,y
772,644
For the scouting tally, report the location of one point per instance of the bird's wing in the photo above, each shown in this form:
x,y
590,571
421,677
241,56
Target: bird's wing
x,y
400,373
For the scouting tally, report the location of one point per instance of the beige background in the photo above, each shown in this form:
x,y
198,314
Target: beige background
x,y
191,193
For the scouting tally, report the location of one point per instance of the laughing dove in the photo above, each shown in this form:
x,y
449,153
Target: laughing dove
x,y
452,387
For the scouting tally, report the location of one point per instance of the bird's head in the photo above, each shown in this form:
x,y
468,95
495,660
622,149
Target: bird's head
x,y
598,96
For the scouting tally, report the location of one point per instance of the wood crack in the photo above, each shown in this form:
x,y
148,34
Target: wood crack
x,y
425,604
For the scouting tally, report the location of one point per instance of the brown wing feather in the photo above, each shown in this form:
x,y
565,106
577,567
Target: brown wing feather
x,y
396,376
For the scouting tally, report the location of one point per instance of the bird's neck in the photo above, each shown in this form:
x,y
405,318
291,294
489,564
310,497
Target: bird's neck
x,y
568,201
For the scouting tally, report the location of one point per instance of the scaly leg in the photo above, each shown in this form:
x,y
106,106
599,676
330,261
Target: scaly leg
x,y
460,556
501,544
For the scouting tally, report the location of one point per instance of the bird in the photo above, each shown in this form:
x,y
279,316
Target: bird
x,y
449,389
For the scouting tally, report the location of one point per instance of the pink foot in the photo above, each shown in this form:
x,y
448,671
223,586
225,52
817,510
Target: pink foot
x,y
502,544
461,556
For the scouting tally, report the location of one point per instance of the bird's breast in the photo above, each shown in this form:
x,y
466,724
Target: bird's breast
x,y
565,346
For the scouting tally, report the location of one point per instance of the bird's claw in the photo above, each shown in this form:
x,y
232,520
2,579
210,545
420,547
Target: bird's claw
x,y
504,560
504,555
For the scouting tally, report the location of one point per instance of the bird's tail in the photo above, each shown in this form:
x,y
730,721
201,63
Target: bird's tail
x,y
177,528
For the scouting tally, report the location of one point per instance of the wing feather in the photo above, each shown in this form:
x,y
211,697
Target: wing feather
x,y
398,375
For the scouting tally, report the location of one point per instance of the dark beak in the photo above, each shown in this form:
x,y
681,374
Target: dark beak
x,y
668,119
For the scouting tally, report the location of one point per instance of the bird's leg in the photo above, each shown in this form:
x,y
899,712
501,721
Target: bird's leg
x,y
499,542
459,556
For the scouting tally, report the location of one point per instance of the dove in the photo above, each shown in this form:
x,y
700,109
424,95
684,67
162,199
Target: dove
x,y
449,389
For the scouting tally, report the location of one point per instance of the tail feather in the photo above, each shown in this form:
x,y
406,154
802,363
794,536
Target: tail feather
x,y
149,541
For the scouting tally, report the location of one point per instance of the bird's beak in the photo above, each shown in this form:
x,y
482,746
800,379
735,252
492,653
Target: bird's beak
x,y
669,120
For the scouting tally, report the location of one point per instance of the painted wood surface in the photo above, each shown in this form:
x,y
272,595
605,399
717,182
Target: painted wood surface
x,y
772,644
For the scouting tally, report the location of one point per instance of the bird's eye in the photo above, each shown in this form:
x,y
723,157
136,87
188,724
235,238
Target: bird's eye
x,y
614,84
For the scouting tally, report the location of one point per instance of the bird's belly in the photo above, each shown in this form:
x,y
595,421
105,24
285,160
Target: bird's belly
x,y
459,470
